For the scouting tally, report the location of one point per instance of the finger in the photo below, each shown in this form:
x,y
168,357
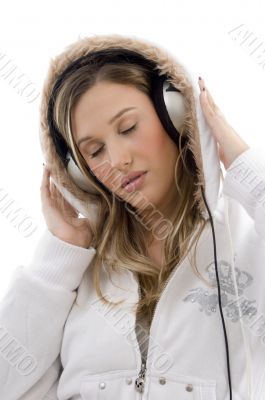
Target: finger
x,y
56,194
211,101
208,96
45,183
205,104
201,83
210,110
53,190
68,209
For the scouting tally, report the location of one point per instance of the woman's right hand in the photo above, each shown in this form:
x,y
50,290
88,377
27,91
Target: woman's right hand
x,y
66,226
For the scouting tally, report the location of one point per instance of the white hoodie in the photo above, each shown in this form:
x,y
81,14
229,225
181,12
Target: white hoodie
x,y
53,347
59,342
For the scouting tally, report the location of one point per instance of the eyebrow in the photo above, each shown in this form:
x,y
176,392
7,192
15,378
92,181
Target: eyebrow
x,y
119,114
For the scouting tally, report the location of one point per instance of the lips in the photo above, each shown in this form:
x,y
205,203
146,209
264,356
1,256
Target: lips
x,y
131,177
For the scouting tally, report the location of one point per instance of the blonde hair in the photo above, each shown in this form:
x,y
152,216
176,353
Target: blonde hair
x,y
123,245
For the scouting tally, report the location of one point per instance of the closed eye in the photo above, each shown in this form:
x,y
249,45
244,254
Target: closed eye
x,y
130,129
125,132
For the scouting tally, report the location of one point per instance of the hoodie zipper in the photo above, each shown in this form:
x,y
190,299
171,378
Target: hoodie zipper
x,y
140,380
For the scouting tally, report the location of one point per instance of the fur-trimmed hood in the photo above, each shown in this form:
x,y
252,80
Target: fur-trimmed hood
x,y
201,141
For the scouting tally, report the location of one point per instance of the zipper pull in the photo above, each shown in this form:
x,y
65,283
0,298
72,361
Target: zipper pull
x,y
139,382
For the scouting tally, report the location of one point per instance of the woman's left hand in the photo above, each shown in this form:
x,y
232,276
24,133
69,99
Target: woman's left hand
x,y
230,144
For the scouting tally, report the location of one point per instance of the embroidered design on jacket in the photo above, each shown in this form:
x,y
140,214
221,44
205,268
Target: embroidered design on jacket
x,y
208,298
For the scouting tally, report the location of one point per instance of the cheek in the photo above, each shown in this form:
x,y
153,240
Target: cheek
x,y
164,154
151,142
101,171
111,179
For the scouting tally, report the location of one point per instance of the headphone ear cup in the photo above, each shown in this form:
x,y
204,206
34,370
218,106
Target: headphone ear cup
x,y
175,104
78,177
91,213
176,109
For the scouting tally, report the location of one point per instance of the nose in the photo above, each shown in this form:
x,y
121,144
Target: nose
x,y
116,159
119,155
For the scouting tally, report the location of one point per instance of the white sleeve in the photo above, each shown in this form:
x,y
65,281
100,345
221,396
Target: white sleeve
x,y
245,182
46,387
32,317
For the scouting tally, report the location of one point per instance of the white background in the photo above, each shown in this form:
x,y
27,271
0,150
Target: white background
x,y
205,35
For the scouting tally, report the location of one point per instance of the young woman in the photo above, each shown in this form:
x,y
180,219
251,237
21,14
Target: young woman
x,y
158,291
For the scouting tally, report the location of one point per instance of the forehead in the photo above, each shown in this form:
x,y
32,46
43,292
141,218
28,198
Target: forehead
x,y
107,96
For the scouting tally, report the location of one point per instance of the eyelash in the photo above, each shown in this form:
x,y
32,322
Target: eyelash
x,y
125,132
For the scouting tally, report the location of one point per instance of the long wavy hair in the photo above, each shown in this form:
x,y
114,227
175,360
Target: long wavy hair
x,y
124,245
